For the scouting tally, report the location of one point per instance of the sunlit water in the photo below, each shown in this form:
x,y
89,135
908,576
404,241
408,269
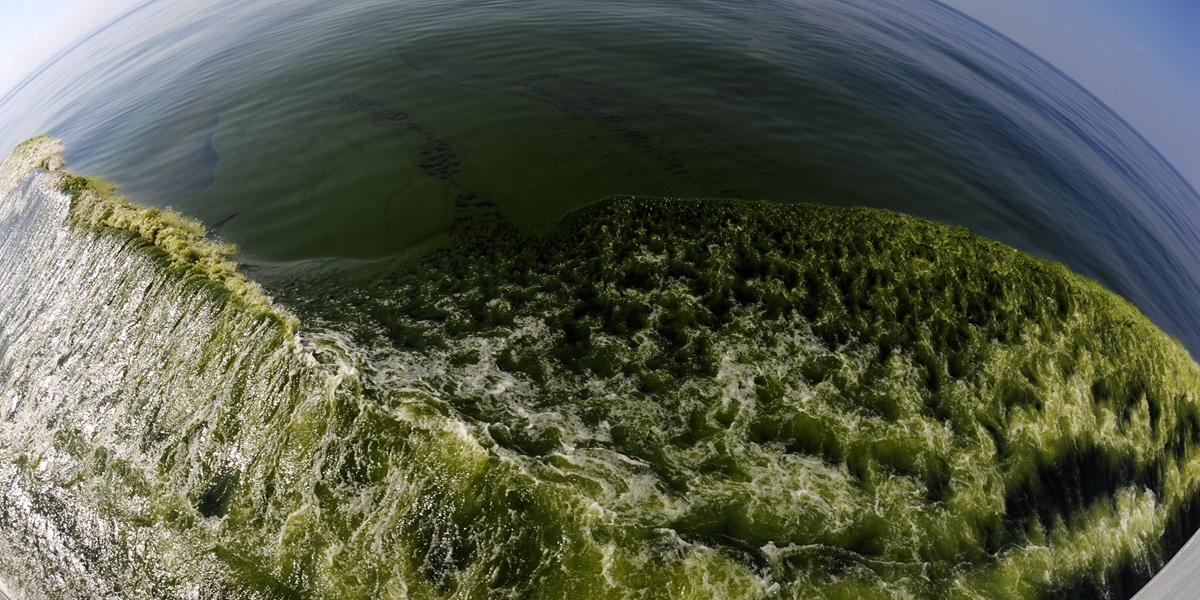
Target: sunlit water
x,y
507,416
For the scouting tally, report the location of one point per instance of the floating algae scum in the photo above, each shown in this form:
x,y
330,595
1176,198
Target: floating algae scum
x,y
652,398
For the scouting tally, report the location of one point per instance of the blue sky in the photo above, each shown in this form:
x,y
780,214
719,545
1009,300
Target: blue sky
x,y
31,32
1141,57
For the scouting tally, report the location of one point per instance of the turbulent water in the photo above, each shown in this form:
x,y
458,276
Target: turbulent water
x,y
507,318
653,398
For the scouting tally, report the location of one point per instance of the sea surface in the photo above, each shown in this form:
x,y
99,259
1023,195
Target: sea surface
x,y
462,352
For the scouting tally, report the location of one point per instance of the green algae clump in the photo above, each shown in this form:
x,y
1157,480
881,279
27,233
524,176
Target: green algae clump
x,y
38,152
846,403
183,241
95,205
653,398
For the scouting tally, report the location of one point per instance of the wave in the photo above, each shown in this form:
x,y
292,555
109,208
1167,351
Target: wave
x,y
653,398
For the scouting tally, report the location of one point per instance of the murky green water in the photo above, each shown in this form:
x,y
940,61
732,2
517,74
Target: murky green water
x,y
479,339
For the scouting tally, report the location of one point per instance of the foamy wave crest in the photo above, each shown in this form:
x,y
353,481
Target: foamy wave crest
x,y
654,398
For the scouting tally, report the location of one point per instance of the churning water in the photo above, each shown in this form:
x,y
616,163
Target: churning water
x,y
474,344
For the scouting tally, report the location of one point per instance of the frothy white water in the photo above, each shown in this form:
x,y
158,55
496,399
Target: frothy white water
x,y
115,368
160,438
163,435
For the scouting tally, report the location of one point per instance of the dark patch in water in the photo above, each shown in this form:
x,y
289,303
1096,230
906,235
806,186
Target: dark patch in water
x,y
437,158
214,502
216,226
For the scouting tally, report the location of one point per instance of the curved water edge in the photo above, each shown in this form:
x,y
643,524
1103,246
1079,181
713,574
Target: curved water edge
x,y
652,398
110,334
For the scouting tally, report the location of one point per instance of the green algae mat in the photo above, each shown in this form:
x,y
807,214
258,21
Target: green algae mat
x,y
836,403
652,398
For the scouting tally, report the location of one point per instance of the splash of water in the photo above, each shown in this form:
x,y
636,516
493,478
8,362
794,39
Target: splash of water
x,y
653,398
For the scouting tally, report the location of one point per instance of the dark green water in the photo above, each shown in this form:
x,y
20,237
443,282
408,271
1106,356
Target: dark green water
x,y
445,361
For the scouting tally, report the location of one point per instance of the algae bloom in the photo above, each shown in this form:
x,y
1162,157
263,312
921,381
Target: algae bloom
x,y
655,398
445,361
825,402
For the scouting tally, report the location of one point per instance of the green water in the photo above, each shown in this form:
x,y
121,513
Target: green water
x,y
655,398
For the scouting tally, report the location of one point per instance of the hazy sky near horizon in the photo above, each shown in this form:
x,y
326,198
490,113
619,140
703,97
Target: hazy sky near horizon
x,y
32,32
1140,57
